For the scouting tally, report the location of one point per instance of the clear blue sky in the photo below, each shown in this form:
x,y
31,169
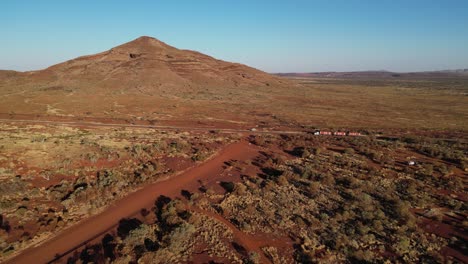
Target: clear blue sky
x,y
275,36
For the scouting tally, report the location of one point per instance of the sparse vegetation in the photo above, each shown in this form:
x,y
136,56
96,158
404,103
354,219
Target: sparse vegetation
x,y
334,204
80,173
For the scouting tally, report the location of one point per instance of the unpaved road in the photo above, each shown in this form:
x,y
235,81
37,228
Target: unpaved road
x,y
160,127
79,234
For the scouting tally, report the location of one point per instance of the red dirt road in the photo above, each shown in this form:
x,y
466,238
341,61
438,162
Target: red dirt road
x,y
81,233
221,129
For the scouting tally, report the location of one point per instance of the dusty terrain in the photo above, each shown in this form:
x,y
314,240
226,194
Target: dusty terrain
x,y
298,198
53,176
130,206
148,81
147,153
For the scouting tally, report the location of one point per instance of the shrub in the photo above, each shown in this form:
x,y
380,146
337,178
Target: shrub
x,y
428,169
253,258
314,187
317,151
139,250
410,139
363,256
282,181
259,141
228,186
305,153
126,226
349,151
150,245
240,189
403,245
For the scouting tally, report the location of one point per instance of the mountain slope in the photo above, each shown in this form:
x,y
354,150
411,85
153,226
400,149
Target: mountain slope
x,y
149,64
142,79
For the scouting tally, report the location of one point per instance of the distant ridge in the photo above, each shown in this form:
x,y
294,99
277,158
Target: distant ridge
x,y
380,74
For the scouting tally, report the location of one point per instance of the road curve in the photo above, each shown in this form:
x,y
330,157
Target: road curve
x,y
90,228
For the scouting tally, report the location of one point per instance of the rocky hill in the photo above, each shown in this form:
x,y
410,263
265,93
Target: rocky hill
x,y
149,64
144,78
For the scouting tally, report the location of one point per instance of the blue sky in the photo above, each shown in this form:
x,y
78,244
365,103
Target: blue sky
x,y
275,36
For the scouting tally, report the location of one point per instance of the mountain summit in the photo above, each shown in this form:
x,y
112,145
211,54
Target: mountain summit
x,y
149,64
144,78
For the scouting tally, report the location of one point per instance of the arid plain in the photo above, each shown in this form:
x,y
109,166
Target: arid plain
x,y
147,153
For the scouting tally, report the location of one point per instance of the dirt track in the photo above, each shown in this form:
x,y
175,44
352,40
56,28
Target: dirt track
x,y
81,233
161,127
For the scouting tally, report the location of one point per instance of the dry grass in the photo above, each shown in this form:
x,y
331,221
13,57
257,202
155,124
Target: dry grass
x,y
53,176
415,104
385,105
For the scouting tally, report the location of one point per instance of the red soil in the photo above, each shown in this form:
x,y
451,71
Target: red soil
x,y
447,228
85,231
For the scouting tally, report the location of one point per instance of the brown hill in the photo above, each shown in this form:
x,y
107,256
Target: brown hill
x,y
151,65
144,79
149,82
